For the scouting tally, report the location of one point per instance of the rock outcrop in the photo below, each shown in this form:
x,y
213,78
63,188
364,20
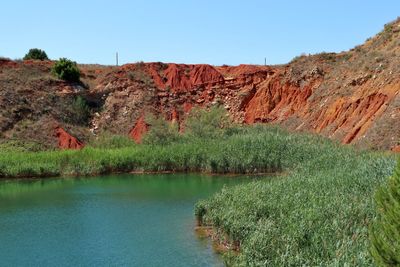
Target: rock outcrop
x,y
141,127
65,140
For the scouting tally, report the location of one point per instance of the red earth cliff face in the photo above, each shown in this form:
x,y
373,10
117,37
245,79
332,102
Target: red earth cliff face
x,y
304,100
352,97
67,141
274,101
183,78
141,128
259,94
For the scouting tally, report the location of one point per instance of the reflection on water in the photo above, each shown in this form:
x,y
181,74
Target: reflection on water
x,y
135,220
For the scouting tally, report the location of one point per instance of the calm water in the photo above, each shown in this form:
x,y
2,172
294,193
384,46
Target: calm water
x,y
124,220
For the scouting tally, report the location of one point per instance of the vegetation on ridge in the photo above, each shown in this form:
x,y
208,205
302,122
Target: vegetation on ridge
x,y
36,54
66,69
385,231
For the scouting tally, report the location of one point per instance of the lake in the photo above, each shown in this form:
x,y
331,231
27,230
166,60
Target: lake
x,y
116,220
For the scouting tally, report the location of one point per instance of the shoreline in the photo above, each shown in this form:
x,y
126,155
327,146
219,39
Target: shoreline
x,y
38,177
221,243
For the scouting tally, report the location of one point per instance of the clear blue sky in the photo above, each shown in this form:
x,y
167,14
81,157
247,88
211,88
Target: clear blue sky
x,y
189,31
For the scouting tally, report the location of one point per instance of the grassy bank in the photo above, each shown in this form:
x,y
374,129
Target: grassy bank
x,y
317,215
245,151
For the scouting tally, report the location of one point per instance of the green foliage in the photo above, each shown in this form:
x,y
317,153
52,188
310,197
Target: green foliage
x,y
161,132
385,231
80,110
16,145
36,54
200,124
316,213
327,56
107,140
210,123
223,155
67,70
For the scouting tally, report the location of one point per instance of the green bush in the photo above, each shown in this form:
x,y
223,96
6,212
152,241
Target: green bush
x,y
209,123
385,231
161,131
36,54
80,110
67,70
16,145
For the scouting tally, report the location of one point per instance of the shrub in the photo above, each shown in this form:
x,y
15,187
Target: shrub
x,y
205,123
161,131
385,232
16,145
106,140
36,54
67,70
80,110
298,58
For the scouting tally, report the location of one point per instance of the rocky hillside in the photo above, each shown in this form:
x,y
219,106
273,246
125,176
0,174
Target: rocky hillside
x,y
352,97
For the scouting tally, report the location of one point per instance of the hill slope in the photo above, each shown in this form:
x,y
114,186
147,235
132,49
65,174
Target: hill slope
x,y
352,97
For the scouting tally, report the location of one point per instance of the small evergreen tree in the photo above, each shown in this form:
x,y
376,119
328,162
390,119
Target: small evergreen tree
x,y
36,54
67,70
385,231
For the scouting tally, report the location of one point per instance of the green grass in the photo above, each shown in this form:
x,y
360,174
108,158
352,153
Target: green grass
x,y
262,150
316,214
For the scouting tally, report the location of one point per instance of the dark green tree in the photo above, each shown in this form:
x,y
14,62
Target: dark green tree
x,y
67,70
36,54
385,230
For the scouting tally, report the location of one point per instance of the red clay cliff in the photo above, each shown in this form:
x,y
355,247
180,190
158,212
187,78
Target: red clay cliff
x,y
352,97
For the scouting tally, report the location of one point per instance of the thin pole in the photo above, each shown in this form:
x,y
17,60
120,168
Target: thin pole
x,y
116,57
265,61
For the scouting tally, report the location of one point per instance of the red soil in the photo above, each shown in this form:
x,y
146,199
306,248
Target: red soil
x,y
396,149
264,94
182,78
141,127
67,141
7,63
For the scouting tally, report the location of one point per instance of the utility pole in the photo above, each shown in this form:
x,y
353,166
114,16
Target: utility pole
x,y
265,61
116,58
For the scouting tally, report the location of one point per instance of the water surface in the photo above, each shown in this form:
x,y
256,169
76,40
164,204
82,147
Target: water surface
x,y
124,220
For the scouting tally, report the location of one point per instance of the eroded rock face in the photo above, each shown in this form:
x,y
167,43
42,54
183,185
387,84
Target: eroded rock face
x,y
183,78
300,97
396,149
67,141
139,130
277,101
352,97
354,116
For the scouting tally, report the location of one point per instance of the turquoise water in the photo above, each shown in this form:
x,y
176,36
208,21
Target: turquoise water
x,y
124,220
